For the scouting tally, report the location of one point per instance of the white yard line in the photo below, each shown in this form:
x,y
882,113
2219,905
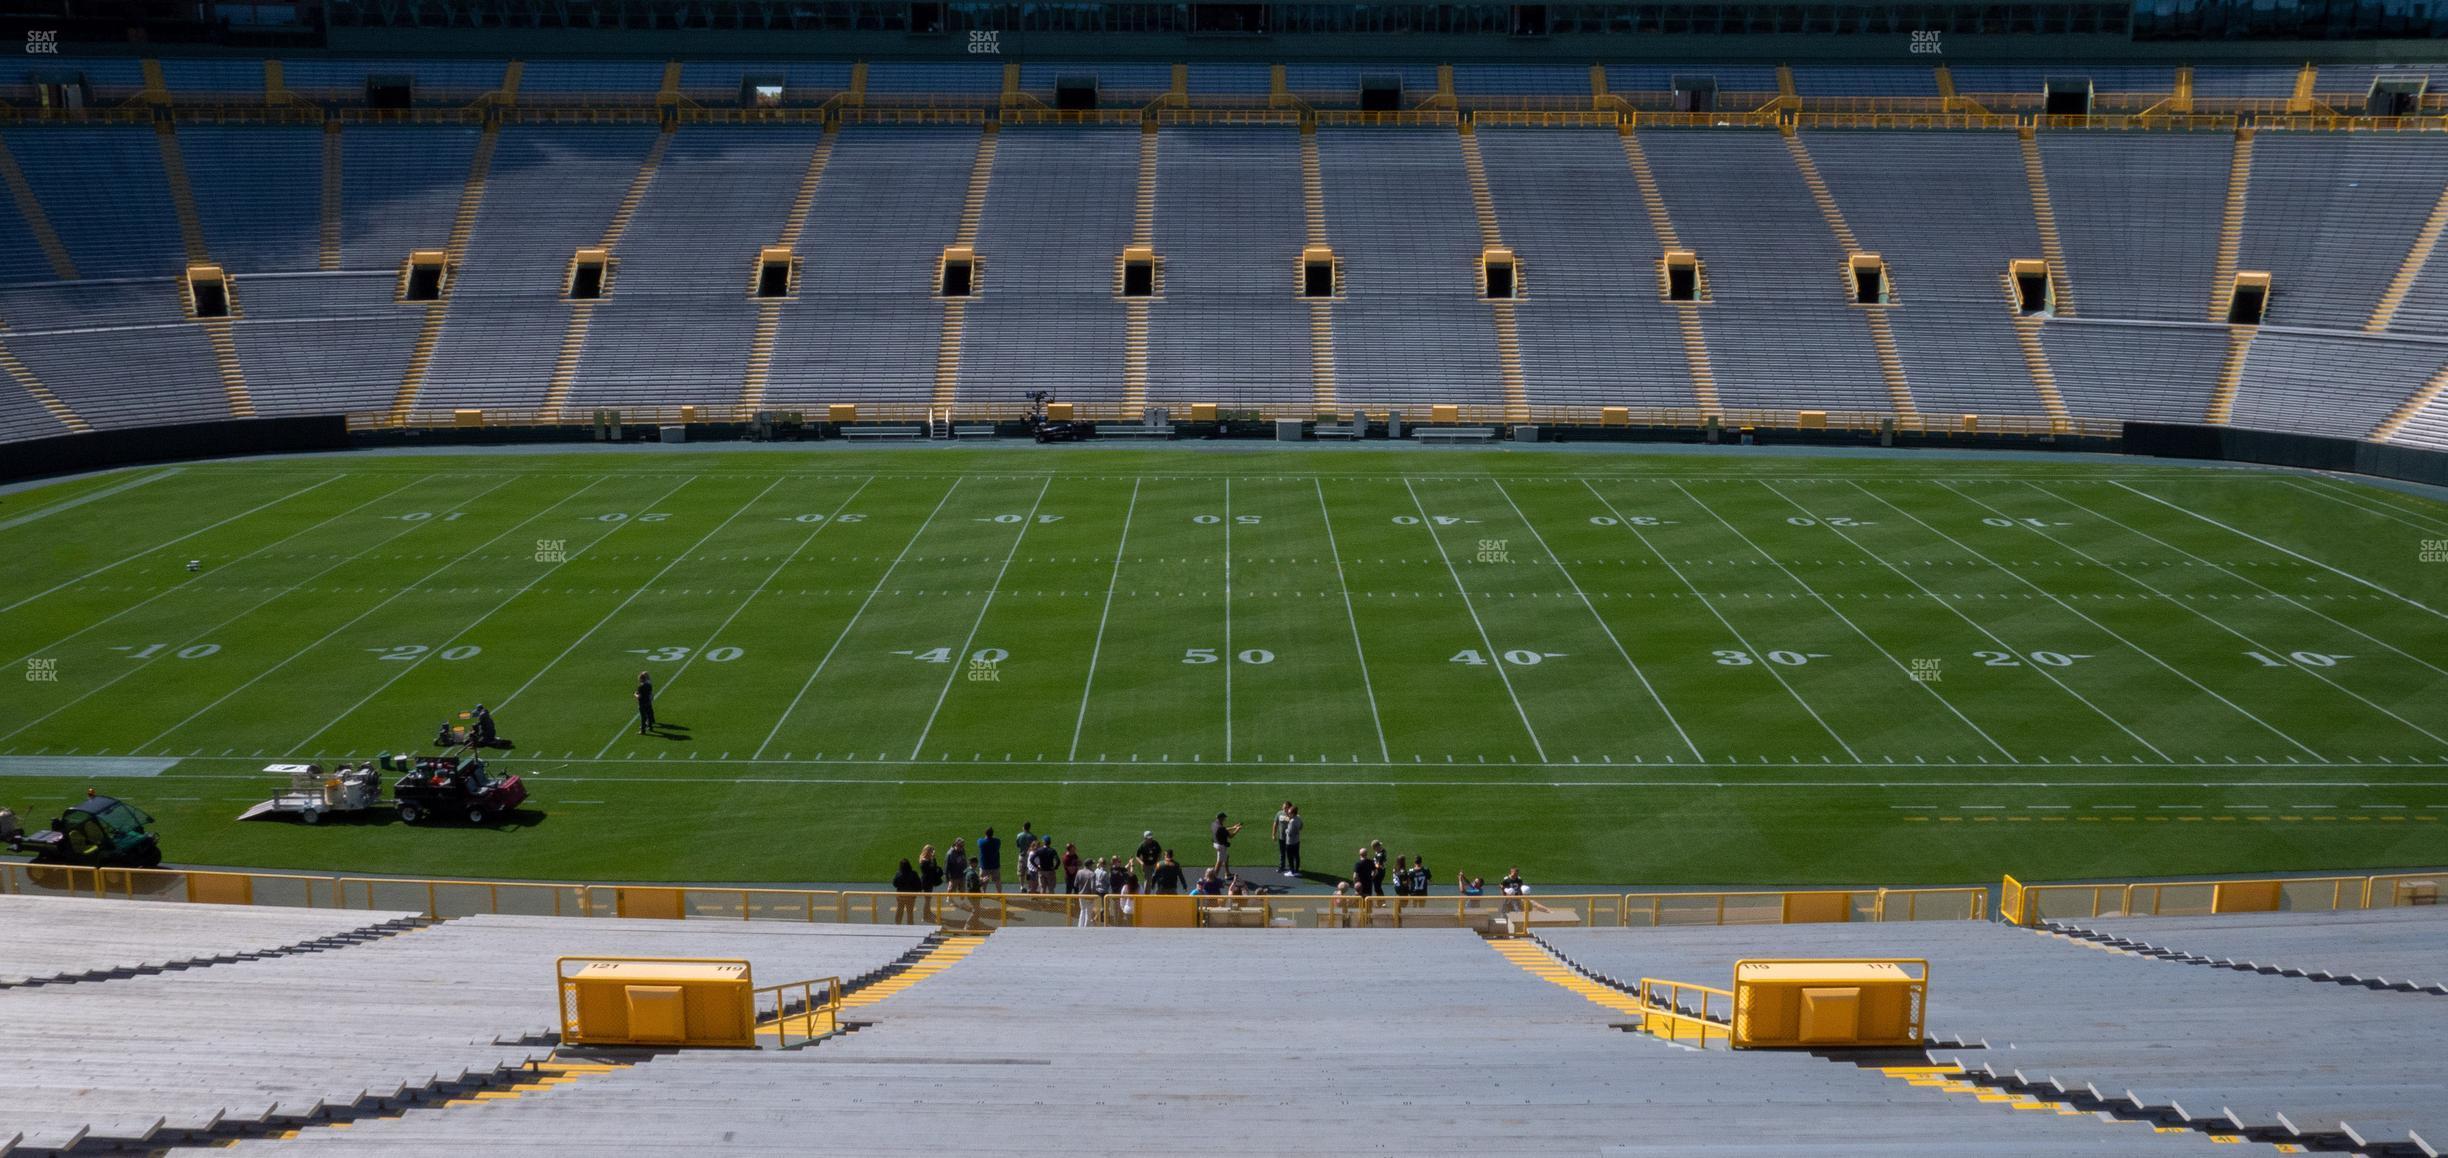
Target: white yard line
x,y
2204,616
1097,650
1228,648
2346,495
87,497
1847,620
172,543
1705,601
725,625
148,600
2232,573
259,604
1609,629
1494,656
2112,633
872,592
959,659
1959,613
489,613
360,616
2418,605
1353,618
640,589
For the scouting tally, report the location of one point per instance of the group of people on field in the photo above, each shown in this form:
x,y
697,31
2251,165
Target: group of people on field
x,y
1040,866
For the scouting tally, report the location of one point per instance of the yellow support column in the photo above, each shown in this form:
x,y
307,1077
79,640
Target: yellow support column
x,y
1599,96
2307,81
275,91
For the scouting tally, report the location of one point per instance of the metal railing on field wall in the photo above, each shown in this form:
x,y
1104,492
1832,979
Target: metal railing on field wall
x,y
447,897
2031,904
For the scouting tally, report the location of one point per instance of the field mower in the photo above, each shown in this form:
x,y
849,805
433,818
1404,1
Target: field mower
x,y
96,832
453,784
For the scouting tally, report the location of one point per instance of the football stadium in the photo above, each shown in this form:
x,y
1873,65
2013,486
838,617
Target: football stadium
x,y
875,577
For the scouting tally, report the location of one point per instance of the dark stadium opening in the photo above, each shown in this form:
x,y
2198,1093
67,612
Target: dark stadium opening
x,y
1682,276
1075,92
1869,279
423,282
390,92
208,290
1228,19
587,271
774,272
2066,96
1529,20
1381,94
761,92
2250,300
926,19
1138,272
2031,285
1695,94
61,90
2396,95
1317,272
1497,274
959,279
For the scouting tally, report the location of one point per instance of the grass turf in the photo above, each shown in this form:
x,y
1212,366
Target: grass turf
x,y
1601,667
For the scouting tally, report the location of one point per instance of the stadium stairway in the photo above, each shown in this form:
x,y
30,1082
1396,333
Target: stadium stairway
x,y
582,313
1321,310
2417,257
67,940
1882,335
2404,950
1687,314
1491,236
263,1046
2070,1023
956,310
463,225
2231,225
1135,310
769,310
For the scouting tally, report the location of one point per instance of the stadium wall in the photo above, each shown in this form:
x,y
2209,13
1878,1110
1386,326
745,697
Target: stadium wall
x,y
2272,448
72,453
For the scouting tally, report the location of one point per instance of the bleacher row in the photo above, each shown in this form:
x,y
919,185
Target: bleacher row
x,y
94,323
342,80
1283,1042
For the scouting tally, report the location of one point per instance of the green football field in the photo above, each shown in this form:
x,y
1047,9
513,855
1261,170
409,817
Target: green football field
x,y
1614,668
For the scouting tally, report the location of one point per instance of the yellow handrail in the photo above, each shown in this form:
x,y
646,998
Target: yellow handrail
x,y
1670,1009
813,1019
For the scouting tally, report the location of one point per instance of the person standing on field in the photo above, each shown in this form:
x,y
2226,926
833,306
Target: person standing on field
x,y
1223,835
1291,838
645,699
990,860
1283,847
